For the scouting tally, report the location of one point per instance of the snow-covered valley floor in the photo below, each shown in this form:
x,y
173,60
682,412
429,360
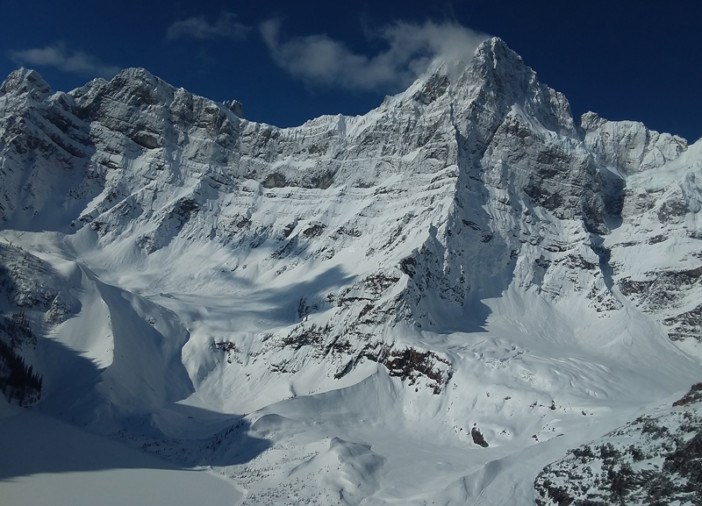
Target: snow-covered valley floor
x,y
45,461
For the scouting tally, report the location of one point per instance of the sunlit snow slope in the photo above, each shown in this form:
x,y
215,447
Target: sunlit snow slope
x,y
430,302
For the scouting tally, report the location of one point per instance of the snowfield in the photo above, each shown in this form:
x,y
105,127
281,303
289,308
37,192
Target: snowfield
x,y
427,304
46,461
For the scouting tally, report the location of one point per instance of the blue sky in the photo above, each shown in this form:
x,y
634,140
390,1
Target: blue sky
x,y
291,61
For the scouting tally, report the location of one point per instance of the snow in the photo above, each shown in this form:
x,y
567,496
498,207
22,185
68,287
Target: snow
x,y
46,461
649,459
324,313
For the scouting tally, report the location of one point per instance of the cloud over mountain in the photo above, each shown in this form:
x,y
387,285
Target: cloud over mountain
x,y
61,57
410,48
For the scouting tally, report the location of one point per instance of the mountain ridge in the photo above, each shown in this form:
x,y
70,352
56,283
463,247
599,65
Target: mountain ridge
x,y
462,256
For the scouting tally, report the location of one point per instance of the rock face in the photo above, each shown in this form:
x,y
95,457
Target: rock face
x,y
658,205
188,251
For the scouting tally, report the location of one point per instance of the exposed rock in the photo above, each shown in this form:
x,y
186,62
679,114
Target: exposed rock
x,y
657,459
478,437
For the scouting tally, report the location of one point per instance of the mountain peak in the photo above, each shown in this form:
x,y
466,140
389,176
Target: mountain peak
x,y
496,52
141,86
492,43
498,76
25,80
135,74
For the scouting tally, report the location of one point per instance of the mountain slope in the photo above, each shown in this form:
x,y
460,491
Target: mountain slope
x,y
653,460
463,259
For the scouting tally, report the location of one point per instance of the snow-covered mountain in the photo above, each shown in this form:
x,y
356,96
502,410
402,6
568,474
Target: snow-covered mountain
x,y
429,302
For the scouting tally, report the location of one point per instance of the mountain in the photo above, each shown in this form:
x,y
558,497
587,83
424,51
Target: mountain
x,y
429,302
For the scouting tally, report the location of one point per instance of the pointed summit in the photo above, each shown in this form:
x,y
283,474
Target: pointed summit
x,y
142,86
496,51
25,80
497,79
496,62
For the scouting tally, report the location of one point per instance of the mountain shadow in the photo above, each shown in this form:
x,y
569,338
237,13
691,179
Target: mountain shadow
x,y
41,439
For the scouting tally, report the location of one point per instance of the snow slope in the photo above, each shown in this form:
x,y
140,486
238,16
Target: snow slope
x,y
46,461
331,312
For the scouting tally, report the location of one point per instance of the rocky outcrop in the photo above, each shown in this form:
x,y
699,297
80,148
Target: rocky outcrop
x,y
628,146
657,459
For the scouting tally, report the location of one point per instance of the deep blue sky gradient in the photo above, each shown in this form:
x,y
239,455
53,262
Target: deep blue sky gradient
x,y
639,60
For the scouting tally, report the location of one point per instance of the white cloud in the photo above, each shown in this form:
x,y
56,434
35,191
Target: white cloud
x,y
409,50
197,27
62,58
